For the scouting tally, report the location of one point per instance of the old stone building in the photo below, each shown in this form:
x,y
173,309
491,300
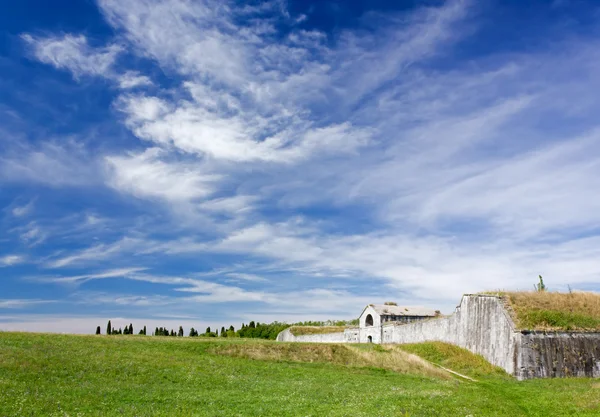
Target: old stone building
x,y
374,316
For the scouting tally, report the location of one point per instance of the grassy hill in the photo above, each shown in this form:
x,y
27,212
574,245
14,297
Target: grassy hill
x,y
61,375
546,310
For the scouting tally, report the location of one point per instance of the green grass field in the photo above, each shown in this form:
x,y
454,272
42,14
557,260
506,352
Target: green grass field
x,y
60,375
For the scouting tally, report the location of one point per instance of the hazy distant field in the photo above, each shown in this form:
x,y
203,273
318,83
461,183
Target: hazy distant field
x,y
58,375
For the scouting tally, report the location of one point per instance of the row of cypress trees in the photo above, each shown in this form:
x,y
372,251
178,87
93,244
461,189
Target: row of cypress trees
x,y
128,330
163,331
251,330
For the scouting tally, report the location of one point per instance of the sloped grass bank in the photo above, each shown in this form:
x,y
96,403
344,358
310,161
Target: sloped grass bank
x,y
305,330
455,358
340,354
61,375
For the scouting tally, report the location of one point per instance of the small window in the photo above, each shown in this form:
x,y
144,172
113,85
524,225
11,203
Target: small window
x,y
369,320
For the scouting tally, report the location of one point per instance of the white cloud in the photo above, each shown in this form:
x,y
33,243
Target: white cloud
x,y
10,260
340,303
208,291
22,303
196,130
235,204
52,163
98,252
242,276
147,175
76,279
21,211
132,79
73,53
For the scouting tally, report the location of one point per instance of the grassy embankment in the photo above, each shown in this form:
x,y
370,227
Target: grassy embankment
x,y
546,310
304,330
59,375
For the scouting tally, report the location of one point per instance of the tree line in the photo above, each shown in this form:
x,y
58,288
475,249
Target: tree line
x,y
251,330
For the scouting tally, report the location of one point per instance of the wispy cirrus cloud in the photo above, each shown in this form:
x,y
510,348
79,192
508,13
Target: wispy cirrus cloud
x,y
99,252
53,163
151,175
24,210
73,53
10,260
22,303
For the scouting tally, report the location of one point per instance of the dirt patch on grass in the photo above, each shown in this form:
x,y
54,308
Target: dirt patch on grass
x,y
389,358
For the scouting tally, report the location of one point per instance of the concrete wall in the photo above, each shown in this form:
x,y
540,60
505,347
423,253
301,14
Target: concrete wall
x,y
287,336
558,354
352,335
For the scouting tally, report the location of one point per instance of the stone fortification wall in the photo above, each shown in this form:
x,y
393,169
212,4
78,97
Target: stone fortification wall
x,y
558,354
287,336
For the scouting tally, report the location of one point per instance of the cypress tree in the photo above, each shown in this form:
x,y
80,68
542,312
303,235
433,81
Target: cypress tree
x,y
231,328
108,328
208,330
120,331
130,328
144,330
252,325
156,332
223,331
98,330
180,332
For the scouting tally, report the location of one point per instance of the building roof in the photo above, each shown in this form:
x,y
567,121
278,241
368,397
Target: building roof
x,y
385,310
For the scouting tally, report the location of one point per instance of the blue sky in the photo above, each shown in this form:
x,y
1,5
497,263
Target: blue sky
x,y
208,163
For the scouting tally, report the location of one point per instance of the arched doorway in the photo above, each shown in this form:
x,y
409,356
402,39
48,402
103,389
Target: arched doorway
x,y
368,320
370,339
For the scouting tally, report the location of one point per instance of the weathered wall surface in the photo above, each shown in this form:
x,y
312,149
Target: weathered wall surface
x,y
287,336
352,335
558,354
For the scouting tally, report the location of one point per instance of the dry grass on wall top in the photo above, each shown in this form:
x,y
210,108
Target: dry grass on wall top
x,y
554,311
374,356
307,330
